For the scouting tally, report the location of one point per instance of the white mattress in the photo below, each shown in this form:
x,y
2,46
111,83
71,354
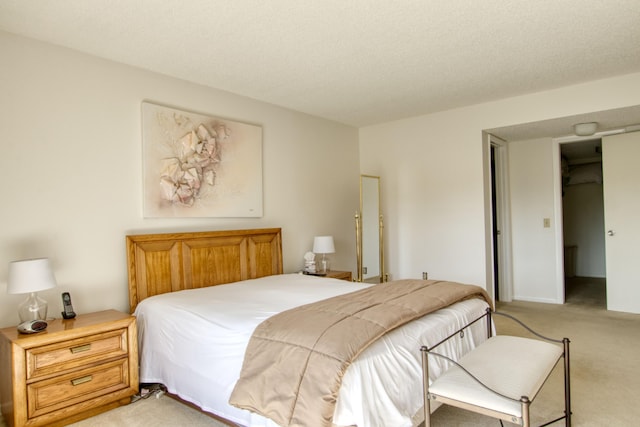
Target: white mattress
x,y
193,342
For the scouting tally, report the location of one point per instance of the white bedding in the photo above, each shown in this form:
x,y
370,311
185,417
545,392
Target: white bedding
x,y
193,342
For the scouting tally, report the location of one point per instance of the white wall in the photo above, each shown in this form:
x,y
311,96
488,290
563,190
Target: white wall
x,y
583,214
72,180
431,173
532,200
427,196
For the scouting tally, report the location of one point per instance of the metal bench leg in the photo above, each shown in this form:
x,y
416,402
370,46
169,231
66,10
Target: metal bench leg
x,y
425,386
567,384
526,420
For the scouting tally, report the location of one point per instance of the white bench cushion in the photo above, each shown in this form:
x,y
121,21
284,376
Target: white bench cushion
x,y
512,366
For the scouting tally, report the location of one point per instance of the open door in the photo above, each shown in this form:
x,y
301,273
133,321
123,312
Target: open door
x,y
621,177
497,227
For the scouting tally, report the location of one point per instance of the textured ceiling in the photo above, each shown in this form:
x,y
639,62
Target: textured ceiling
x,y
357,62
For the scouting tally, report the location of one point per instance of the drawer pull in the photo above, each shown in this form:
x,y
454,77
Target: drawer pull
x,y
82,380
80,348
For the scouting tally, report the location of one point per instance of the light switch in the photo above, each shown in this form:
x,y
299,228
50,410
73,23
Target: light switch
x,y
546,222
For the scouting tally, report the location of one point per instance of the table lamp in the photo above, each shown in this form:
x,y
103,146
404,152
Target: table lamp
x,y
29,277
323,245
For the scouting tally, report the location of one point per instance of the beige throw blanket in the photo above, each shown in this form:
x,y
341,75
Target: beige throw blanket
x,y
295,360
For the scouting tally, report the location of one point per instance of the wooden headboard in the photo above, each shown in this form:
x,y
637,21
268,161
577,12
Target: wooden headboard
x,y
160,263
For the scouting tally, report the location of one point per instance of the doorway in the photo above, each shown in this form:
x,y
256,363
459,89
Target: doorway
x,y
620,180
583,223
497,228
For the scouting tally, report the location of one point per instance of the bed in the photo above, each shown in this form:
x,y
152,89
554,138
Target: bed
x,y
199,296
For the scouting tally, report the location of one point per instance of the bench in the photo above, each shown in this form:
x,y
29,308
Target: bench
x,y
500,378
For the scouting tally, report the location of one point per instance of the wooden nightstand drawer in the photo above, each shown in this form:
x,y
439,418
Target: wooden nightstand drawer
x,y
59,357
64,391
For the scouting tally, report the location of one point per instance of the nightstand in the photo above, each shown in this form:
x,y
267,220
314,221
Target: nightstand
x,y
74,369
343,275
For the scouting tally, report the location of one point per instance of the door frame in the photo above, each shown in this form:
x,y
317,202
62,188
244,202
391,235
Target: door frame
x,y
558,212
502,218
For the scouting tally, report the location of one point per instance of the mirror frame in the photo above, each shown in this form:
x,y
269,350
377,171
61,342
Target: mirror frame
x,y
360,233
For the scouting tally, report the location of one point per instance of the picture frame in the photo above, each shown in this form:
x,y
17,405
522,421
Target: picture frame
x,y
197,165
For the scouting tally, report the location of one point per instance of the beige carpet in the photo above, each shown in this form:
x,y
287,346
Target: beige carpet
x,y
605,352
591,291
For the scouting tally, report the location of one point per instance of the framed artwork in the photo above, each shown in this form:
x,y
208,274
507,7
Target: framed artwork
x,y
196,165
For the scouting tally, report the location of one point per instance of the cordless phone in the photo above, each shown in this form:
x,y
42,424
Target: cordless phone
x,y
68,312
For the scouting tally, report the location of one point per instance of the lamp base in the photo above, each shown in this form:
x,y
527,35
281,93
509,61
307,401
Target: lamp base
x,y
323,265
34,308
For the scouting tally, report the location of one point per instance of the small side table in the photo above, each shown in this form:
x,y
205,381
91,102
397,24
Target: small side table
x,y
342,275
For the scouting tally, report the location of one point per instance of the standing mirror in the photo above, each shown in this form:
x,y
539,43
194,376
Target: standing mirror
x,y
369,227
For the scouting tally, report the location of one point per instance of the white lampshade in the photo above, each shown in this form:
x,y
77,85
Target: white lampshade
x,y
323,245
30,275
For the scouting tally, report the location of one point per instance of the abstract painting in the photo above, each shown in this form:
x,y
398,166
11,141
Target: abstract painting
x,y
197,165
